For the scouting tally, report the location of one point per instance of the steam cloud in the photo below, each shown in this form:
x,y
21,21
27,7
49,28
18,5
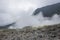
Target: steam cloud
x,y
20,11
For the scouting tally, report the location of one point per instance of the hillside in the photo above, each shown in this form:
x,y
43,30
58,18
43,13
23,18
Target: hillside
x,y
51,32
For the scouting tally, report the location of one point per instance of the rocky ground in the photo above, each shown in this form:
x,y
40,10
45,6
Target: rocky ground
x,y
51,32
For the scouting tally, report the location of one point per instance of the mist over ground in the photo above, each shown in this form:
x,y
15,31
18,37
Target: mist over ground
x,y
20,11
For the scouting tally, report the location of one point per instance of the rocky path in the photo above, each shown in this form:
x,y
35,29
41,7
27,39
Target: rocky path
x,y
28,33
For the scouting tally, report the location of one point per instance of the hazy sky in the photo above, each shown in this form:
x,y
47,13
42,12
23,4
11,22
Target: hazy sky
x,y
21,10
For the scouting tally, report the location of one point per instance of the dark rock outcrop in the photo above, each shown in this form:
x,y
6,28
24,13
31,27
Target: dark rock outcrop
x,y
6,26
48,11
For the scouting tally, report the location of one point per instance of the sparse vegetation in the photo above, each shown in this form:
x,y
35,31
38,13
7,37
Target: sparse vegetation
x,y
51,32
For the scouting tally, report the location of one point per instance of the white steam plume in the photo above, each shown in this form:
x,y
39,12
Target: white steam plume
x,y
20,11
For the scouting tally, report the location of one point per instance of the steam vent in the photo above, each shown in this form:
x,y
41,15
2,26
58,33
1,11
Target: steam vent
x,y
29,19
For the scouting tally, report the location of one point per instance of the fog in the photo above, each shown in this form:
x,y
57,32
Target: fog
x,y
20,11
